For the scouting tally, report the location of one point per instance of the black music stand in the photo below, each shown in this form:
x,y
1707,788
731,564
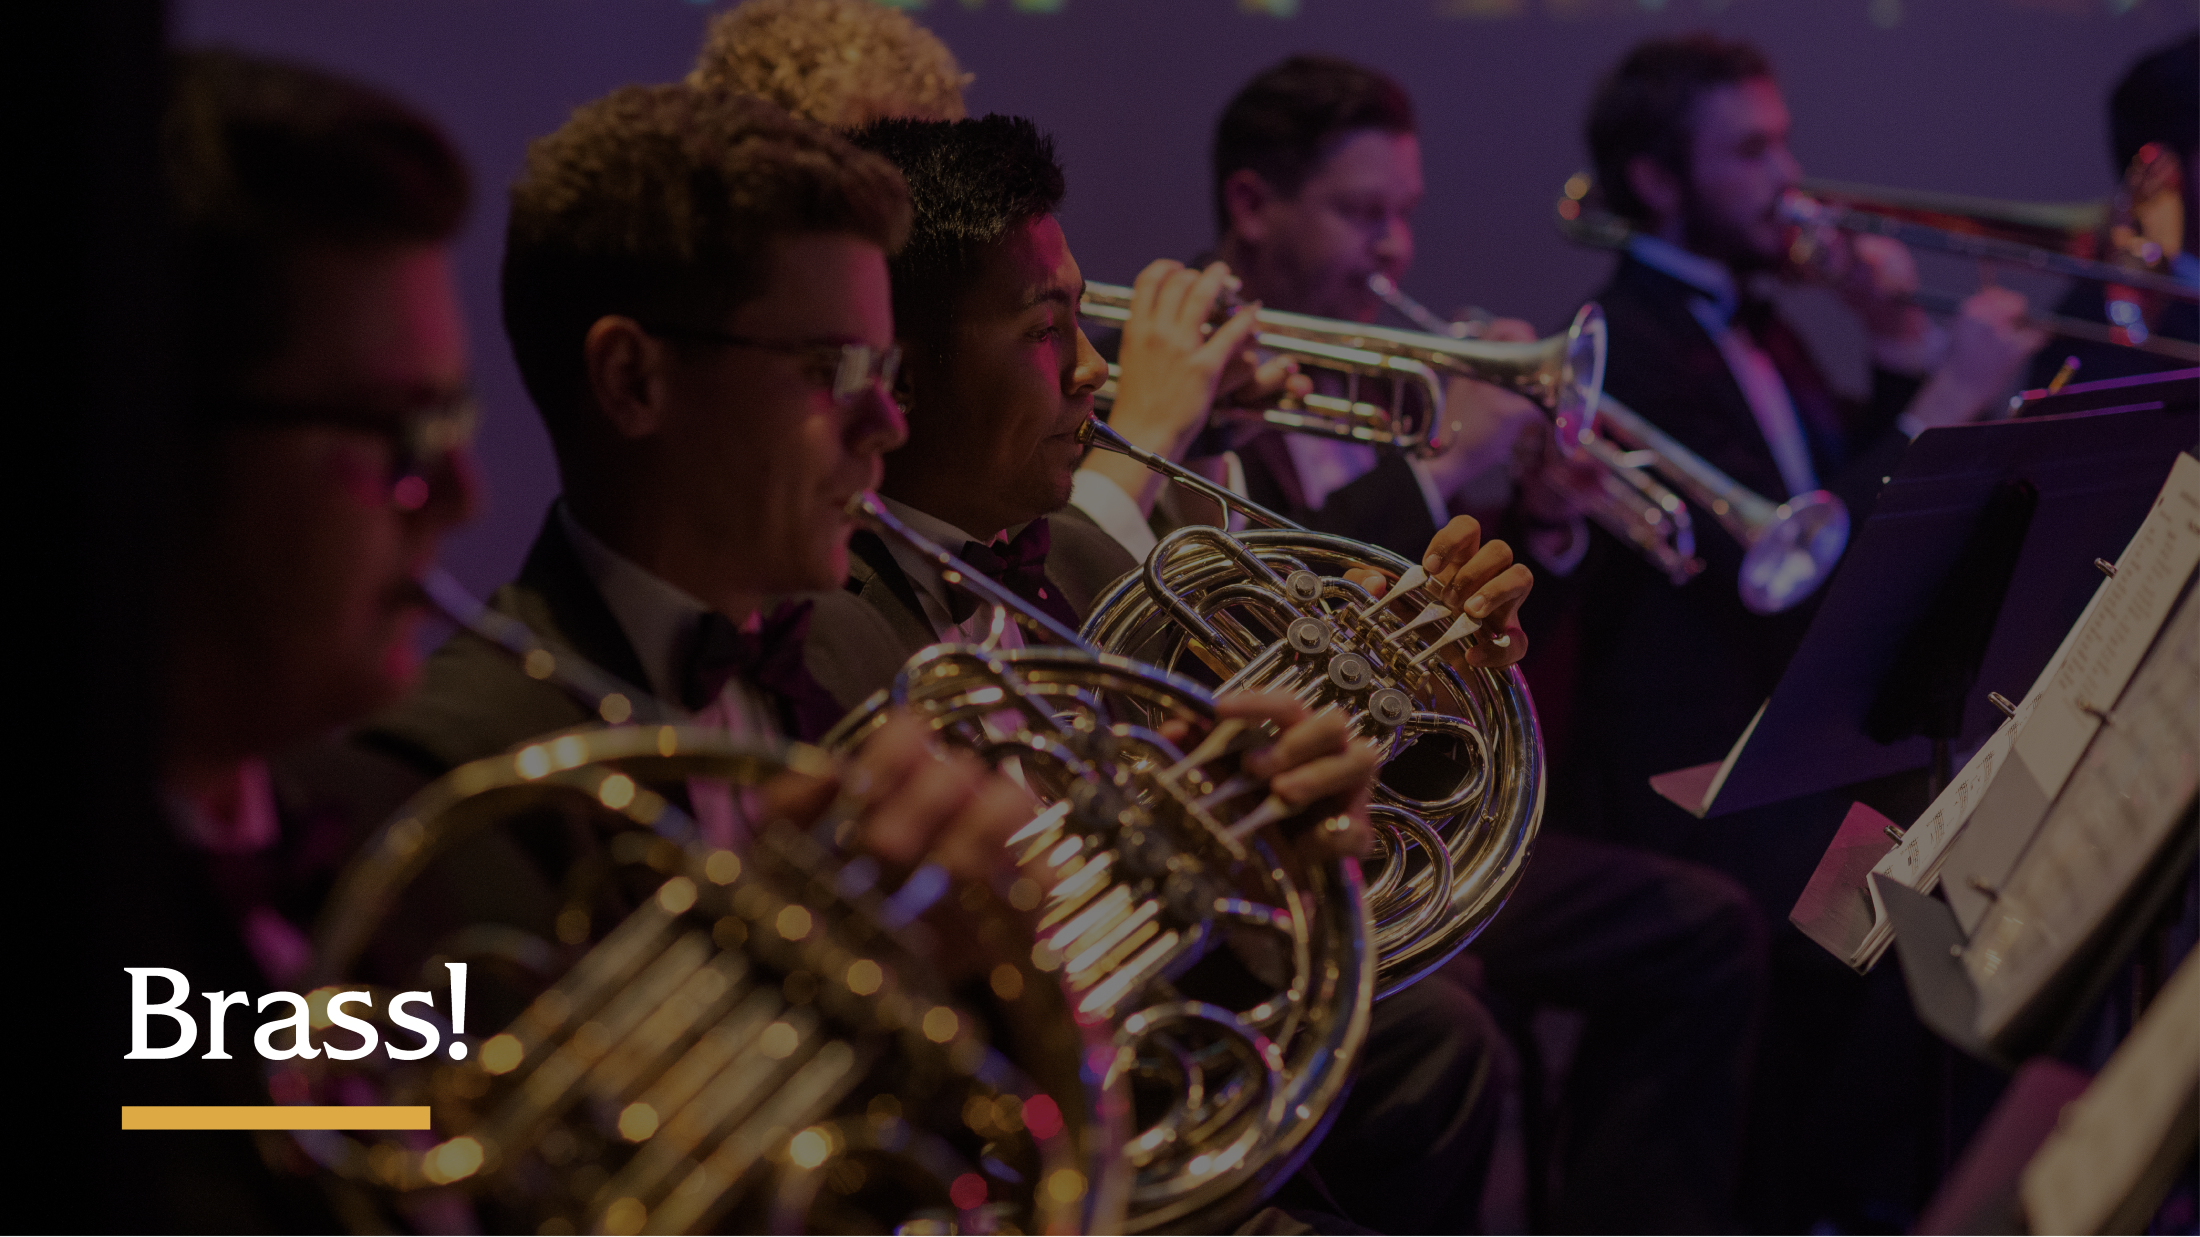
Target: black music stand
x,y
1903,596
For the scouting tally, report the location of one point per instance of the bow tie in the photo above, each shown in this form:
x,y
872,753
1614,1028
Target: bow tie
x,y
1020,567
770,661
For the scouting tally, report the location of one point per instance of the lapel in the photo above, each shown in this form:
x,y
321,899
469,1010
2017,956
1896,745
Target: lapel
x,y
474,701
1665,366
555,597
875,578
1084,560
1271,479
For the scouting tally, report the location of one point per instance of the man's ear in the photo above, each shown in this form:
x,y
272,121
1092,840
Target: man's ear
x,y
1656,187
626,375
1246,195
916,364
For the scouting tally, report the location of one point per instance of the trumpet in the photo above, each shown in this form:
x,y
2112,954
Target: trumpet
x,y
1630,503
691,1039
2055,239
1233,974
1401,374
1788,549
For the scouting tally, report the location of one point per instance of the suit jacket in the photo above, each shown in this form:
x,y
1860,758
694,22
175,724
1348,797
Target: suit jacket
x,y
1383,506
1082,562
1669,677
474,701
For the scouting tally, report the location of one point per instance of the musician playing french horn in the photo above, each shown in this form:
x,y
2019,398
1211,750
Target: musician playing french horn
x,y
324,455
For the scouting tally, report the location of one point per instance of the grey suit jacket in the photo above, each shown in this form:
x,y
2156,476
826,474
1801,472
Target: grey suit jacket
x,y
1082,563
474,701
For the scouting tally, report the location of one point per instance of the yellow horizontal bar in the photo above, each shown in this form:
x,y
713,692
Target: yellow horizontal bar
x,y
275,1117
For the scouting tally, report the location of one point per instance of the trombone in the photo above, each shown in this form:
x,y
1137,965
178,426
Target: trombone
x,y
2054,239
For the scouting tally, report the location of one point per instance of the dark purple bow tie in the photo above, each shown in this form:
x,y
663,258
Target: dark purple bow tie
x,y
1020,567
769,661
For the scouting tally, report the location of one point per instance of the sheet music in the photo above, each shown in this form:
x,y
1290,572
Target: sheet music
x,y
2051,726
2118,808
2113,1137
2091,671
2104,649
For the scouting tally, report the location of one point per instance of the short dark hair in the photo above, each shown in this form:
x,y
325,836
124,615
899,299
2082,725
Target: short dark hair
x,y
1285,121
264,159
661,203
2155,103
1647,106
971,182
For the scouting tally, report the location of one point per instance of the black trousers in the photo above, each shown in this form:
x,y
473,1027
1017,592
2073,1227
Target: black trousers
x,y
1411,1145
1666,961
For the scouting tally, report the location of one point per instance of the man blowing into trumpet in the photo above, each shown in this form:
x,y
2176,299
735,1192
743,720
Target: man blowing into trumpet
x,y
1316,179
1689,137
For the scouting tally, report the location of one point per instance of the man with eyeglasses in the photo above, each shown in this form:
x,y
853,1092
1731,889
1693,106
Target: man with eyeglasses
x,y
324,458
711,368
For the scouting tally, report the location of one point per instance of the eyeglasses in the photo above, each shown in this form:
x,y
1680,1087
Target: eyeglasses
x,y
421,437
856,368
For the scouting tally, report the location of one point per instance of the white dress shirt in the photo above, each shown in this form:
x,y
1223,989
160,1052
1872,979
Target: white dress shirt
x,y
1762,387
1117,513
933,592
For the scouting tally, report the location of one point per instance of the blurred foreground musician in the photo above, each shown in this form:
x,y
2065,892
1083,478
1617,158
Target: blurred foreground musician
x,y
2151,107
326,456
1317,174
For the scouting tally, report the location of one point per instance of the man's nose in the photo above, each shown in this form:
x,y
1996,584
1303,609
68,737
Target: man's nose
x,y
1089,370
1789,168
454,490
1394,242
878,425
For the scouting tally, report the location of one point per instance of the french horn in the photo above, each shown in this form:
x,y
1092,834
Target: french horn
x,y
1461,795
686,1036
1233,975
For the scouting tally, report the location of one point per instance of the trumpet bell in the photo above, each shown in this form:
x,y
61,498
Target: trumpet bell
x,y
1581,377
1795,551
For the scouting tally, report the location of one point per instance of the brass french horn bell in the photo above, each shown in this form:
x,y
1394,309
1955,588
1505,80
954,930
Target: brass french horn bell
x,y
685,1036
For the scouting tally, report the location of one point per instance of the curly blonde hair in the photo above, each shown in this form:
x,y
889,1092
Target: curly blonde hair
x,y
842,63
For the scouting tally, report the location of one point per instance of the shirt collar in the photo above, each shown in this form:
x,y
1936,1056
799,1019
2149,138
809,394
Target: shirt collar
x,y
1708,276
658,617
948,537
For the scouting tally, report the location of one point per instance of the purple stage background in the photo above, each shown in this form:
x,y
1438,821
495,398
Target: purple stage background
x,y
2002,98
